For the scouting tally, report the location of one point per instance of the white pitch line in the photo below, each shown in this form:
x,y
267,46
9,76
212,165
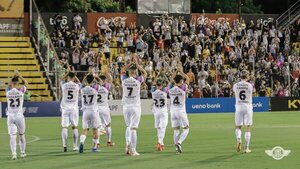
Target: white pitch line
x,y
35,138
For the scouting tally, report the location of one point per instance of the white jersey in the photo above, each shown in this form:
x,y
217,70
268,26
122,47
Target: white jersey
x,y
159,100
243,93
89,98
177,97
70,94
15,100
102,97
131,91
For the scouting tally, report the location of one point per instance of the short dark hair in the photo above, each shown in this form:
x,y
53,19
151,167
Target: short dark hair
x,y
89,78
15,79
102,77
71,74
178,78
158,83
133,67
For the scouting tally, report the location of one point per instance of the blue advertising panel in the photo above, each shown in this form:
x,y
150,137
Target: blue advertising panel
x,y
215,105
37,109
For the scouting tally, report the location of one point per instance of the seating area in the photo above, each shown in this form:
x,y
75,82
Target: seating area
x,y
17,53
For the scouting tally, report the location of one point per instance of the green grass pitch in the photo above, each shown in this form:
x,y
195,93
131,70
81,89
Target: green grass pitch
x,y
210,145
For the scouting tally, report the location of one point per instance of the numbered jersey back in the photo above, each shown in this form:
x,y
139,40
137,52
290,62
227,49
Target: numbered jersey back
x,y
243,93
177,98
14,101
70,92
159,100
131,91
89,98
102,97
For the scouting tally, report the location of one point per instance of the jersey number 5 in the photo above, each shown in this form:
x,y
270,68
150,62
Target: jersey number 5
x,y
70,95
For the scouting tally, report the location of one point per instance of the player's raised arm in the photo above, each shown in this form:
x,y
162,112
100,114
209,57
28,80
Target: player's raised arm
x,y
140,68
187,79
124,68
17,74
108,76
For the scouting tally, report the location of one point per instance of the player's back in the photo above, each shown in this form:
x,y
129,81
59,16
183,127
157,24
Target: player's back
x,y
70,94
177,97
243,93
89,98
102,97
15,99
159,100
131,91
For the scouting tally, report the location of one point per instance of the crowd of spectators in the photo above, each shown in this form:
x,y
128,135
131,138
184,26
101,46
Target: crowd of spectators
x,y
212,53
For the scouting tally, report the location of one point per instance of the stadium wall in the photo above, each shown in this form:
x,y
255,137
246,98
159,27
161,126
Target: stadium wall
x,y
207,105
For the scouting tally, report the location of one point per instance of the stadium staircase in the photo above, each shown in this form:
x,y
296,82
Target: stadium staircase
x,y
289,16
16,53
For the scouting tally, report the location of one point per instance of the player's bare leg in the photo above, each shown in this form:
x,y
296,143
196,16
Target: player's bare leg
x,y
247,140
22,143
134,142
176,138
13,146
75,138
108,134
95,140
64,137
82,140
238,134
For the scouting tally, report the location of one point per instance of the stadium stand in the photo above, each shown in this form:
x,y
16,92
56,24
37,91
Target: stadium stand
x,y
16,53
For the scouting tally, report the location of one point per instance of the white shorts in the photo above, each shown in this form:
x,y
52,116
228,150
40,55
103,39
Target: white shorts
x,y
160,119
69,117
179,118
243,115
132,116
16,123
104,114
90,119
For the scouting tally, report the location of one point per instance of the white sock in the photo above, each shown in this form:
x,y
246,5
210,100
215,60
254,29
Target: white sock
x,y
22,142
176,136
128,136
133,139
75,137
82,138
64,136
95,141
108,133
238,134
183,135
99,130
162,135
13,144
159,135
247,139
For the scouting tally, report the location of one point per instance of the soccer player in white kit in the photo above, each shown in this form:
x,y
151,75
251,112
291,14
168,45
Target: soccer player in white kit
x,y
103,107
69,108
90,117
15,117
131,85
178,110
160,111
243,110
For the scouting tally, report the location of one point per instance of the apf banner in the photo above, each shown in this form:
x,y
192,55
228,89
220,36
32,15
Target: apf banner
x,y
12,9
11,27
215,105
